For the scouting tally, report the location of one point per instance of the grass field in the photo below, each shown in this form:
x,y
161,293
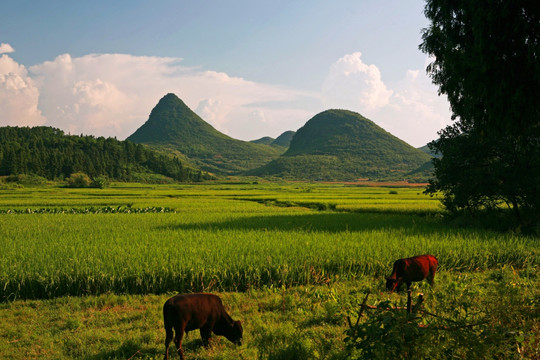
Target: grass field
x,y
83,272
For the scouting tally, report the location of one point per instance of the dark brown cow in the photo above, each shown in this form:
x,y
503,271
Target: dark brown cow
x,y
198,311
407,270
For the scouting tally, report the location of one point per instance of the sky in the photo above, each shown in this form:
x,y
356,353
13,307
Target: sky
x,y
249,68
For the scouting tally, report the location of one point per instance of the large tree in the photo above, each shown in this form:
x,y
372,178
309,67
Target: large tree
x,y
487,61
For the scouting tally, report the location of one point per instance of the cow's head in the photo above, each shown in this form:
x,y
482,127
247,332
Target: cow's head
x,y
392,284
235,332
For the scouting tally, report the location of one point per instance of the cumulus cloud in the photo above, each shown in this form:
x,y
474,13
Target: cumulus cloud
x,y
214,112
351,83
409,109
415,112
113,94
6,48
18,94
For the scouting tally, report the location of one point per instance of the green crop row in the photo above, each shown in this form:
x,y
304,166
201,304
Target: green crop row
x,y
215,240
90,210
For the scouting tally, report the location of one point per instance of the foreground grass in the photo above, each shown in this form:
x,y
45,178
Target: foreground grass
x,y
305,322
290,260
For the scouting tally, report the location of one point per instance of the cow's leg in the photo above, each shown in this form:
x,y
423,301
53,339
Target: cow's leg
x,y
206,333
408,283
168,339
179,334
431,276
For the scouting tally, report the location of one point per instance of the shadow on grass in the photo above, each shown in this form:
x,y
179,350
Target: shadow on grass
x,y
132,350
128,350
335,222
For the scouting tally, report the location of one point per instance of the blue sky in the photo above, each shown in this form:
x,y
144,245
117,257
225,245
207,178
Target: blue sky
x,y
251,69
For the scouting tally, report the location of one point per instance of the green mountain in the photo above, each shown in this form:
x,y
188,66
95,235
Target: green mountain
x,y
343,145
267,140
427,150
284,139
49,153
172,126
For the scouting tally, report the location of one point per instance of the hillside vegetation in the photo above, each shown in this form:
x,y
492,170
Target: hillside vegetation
x,y
284,139
174,127
48,152
343,145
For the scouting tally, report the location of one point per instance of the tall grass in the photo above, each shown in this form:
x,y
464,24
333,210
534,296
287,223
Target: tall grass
x,y
217,241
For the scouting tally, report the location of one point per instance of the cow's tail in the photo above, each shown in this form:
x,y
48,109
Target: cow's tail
x,y
168,322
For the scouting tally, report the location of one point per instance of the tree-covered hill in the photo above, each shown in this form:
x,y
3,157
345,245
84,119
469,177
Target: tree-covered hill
x,y
428,151
267,140
49,153
284,139
172,126
343,145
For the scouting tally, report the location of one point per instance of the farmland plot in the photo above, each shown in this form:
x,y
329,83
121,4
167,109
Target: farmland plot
x,y
216,240
83,273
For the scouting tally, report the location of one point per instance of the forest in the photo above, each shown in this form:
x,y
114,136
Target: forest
x,y
50,153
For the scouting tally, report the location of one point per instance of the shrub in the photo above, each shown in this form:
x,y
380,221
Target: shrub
x,y
78,180
26,179
100,182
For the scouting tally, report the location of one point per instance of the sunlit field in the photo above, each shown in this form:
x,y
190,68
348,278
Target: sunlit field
x,y
227,238
66,248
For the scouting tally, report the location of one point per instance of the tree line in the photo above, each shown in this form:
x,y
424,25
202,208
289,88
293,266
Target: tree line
x,y
486,60
50,153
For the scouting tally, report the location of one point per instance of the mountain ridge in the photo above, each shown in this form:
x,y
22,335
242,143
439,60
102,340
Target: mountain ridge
x,y
173,126
344,145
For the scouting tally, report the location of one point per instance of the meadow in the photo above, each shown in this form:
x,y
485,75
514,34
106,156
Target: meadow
x,y
84,272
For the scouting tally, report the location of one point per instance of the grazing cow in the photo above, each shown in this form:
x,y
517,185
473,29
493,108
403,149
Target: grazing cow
x,y
407,270
198,311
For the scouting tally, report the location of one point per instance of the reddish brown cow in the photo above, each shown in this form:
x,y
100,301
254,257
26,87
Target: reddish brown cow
x,y
407,270
198,311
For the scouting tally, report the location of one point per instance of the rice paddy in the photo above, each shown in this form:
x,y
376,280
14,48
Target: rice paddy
x,y
84,272
141,239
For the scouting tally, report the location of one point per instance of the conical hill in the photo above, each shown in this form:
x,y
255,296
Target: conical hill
x,y
344,145
173,126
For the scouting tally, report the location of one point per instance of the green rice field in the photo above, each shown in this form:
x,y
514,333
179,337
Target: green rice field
x,y
227,238
141,243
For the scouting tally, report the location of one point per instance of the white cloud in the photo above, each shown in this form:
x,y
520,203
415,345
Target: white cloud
x,y
409,109
6,48
18,95
351,83
113,94
214,112
415,113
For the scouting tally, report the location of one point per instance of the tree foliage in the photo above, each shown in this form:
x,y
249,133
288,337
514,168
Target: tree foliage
x,y
486,60
49,153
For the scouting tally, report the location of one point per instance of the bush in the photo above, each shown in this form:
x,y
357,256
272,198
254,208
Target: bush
x,y
100,182
78,180
26,179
